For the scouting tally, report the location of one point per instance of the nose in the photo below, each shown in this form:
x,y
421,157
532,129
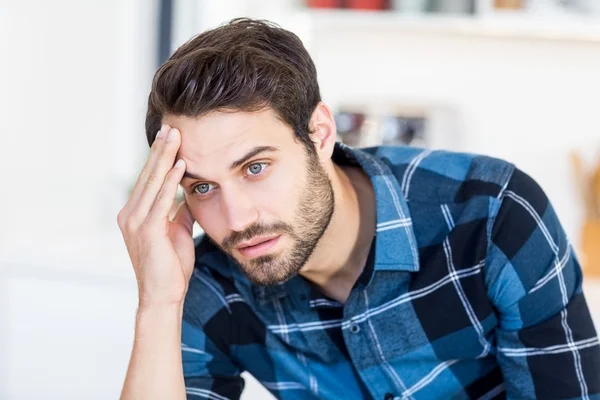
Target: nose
x,y
239,210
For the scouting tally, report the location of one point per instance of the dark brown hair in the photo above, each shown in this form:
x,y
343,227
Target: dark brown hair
x,y
244,65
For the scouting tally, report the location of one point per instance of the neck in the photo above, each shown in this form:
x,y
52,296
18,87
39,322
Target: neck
x,y
342,252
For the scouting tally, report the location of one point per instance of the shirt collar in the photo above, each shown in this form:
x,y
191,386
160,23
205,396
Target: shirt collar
x,y
396,245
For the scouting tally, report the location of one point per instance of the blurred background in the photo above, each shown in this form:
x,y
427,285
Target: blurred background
x,y
515,79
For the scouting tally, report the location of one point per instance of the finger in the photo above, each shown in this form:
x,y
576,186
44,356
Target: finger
x,y
166,196
184,217
157,175
150,161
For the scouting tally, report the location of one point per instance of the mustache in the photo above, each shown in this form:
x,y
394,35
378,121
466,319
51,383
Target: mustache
x,y
232,240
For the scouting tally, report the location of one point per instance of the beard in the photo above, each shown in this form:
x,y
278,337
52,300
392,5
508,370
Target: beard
x,y
311,219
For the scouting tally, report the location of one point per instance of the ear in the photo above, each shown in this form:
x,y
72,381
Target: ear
x,y
323,129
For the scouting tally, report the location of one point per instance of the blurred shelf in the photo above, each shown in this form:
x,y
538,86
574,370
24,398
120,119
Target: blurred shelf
x,y
510,25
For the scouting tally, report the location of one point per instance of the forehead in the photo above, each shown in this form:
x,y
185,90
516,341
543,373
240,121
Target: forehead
x,y
226,135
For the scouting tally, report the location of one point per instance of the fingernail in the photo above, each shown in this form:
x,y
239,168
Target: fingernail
x,y
171,135
162,131
179,163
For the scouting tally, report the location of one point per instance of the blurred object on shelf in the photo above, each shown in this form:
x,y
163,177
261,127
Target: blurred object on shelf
x,y
399,130
324,3
591,248
534,8
453,6
596,188
584,183
359,128
366,4
588,183
352,4
349,126
410,6
508,4
399,122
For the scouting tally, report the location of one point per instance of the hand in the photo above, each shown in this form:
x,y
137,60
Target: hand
x,y
161,250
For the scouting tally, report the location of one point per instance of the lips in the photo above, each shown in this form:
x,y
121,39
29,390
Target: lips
x,y
257,246
256,241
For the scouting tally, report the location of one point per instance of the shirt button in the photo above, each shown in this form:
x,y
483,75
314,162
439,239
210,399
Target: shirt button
x,y
355,329
388,396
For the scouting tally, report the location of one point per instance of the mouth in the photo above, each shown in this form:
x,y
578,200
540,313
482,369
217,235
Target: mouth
x,y
258,246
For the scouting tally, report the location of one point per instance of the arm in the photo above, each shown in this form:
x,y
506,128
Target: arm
x,y
547,345
155,367
162,254
167,339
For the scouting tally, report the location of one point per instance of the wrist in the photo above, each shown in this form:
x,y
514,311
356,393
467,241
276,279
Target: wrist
x,y
149,308
156,320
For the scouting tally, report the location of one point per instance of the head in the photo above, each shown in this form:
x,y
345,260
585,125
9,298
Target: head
x,y
257,142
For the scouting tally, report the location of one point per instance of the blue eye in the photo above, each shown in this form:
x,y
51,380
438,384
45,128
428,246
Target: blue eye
x,y
203,188
256,168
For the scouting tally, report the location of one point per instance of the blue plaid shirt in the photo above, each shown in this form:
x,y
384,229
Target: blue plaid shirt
x,y
472,291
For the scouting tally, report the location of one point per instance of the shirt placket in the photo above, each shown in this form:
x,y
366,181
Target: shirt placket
x,y
363,345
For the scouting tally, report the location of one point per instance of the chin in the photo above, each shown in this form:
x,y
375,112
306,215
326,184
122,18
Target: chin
x,y
268,280
268,272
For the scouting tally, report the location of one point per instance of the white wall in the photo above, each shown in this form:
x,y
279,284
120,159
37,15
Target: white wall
x,y
75,79
66,336
73,76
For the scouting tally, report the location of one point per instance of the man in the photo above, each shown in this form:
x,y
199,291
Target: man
x,y
330,272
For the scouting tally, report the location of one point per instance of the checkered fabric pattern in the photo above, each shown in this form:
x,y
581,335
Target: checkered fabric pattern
x,y
472,291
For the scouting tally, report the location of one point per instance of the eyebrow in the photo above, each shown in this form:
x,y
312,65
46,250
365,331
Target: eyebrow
x,y
252,153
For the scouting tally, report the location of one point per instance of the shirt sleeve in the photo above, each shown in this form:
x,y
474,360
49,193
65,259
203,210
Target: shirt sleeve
x,y
547,346
208,373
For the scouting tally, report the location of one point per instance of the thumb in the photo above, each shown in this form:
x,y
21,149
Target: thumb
x,y
183,217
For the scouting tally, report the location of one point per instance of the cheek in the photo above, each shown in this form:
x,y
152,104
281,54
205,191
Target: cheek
x,y
209,220
277,196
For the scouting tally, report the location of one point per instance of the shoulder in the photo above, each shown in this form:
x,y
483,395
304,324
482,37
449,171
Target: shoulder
x,y
443,176
449,195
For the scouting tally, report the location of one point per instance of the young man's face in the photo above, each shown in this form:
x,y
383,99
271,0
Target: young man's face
x,y
255,190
